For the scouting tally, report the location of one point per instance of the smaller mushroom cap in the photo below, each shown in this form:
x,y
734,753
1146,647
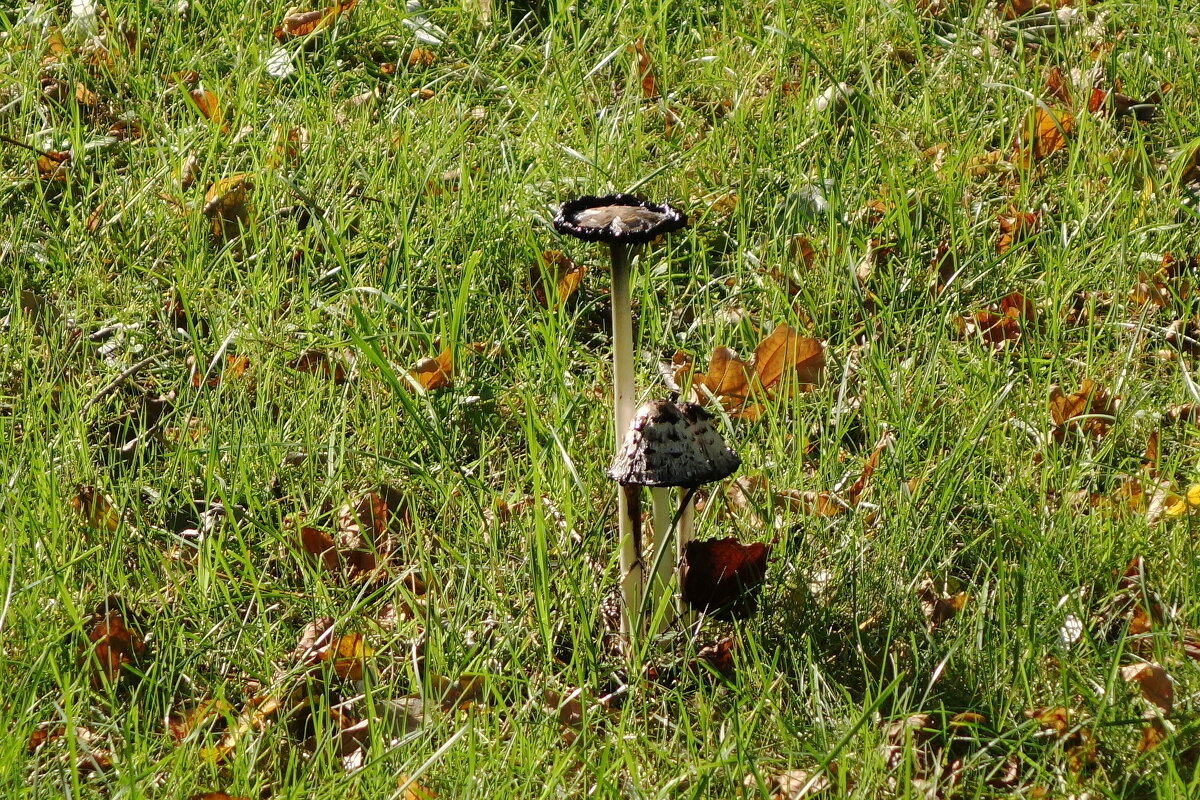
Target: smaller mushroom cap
x,y
617,218
671,444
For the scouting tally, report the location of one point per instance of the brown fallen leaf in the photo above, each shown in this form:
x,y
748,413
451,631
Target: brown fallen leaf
x,y
112,645
1154,683
182,722
347,655
1090,411
226,206
1043,133
96,508
722,577
1016,227
643,69
235,367
785,359
319,362
209,107
297,23
941,603
52,165
556,279
434,373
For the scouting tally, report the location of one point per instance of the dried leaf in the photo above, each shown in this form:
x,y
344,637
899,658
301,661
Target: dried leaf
x,y
348,655
318,362
784,354
940,604
96,508
434,373
1090,411
209,107
182,723
723,576
1016,227
52,165
319,544
643,69
235,367
225,205
297,23
559,272
1044,132
114,646
1154,683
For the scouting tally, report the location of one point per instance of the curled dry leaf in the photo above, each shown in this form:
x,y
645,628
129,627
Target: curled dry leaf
x,y
434,373
1016,227
1090,411
112,645
318,362
643,69
298,23
52,165
182,722
235,367
1074,738
1110,102
1154,683
96,508
792,784
723,576
225,205
556,279
941,603
209,107
1043,133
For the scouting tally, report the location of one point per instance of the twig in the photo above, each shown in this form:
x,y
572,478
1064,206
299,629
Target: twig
x,y
123,376
19,143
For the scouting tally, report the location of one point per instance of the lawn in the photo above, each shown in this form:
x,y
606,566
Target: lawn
x,y
306,405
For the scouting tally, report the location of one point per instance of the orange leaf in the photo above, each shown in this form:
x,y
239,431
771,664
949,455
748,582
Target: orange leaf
x,y
1154,683
1016,226
114,646
320,544
348,654
556,269
1090,410
209,107
644,69
95,507
785,351
225,205
435,373
304,23
729,378
1044,132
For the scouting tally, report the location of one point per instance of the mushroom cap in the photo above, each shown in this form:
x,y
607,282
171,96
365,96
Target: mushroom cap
x,y
617,219
670,444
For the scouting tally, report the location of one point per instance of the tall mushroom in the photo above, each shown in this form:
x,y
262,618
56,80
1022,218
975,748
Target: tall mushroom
x,y
672,444
621,221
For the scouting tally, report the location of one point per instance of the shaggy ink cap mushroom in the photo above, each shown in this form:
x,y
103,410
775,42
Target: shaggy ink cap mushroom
x,y
617,219
669,444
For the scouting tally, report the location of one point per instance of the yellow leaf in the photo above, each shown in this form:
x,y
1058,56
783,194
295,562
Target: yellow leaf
x,y
435,373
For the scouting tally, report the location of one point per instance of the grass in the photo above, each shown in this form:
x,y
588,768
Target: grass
x,y
363,246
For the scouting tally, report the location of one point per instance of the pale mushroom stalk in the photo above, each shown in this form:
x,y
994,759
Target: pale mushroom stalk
x,y
684,530
629,510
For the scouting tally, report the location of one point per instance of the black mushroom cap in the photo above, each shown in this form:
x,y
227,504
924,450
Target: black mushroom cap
x,y
670,444
617,219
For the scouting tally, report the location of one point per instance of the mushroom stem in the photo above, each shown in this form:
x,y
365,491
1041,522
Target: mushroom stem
x,y
629,510
664,561
684,529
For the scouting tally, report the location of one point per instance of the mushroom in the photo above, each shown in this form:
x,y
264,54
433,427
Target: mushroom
x,y
672,444
622,221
